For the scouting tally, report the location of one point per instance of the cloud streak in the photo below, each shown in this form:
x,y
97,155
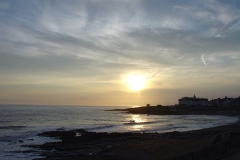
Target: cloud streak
x,y
88,42
203,59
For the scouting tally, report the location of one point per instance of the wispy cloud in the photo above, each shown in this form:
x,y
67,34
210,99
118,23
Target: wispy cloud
x,y
96,41
203,59
181,57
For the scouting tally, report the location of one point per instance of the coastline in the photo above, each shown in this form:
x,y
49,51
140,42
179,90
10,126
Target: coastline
x,y
132,145
166,110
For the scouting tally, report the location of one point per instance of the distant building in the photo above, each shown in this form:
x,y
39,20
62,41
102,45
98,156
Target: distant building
x,y
236,103
221,102
193,101
215,102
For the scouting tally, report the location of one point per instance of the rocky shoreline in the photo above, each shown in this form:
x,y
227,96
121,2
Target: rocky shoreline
x,y
81,144
84,144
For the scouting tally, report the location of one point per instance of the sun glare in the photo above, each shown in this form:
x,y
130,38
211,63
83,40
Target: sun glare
x,y
136,82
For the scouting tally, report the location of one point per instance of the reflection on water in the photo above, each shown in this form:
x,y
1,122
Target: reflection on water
x,y
137,127
137,119
135,106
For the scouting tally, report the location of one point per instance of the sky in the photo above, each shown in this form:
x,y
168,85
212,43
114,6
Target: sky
x,y
83,52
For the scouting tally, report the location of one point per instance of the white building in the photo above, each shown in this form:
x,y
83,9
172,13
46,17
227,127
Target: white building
x,y
193,101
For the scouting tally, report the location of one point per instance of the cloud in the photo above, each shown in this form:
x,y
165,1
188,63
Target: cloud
x,y
98,42
117,36
4,5
203,59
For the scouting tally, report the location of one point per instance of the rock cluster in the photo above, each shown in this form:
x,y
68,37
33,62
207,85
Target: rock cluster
x,y
81,143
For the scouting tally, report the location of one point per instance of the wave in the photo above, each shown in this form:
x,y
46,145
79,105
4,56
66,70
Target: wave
x,y
12,127
138,123
100,127
163,129
148,122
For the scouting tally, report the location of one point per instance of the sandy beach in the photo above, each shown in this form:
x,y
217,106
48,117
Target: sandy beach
x,y
81,144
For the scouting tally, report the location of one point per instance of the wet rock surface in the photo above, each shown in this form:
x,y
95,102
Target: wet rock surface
x,y
81,143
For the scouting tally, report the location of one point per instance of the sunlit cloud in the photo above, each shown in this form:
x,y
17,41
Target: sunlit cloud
x,y
203,59
82,45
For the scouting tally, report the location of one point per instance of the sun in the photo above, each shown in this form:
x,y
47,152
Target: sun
x,y
136,82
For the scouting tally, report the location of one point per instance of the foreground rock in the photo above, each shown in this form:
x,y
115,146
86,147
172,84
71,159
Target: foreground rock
x,y
81,144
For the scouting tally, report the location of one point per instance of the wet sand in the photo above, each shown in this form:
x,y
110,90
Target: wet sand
x,y
91,145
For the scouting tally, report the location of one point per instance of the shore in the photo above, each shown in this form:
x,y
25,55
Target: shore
x,y
81,144
155,110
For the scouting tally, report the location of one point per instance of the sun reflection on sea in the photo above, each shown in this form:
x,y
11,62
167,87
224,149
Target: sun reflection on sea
x,y
138,118
137,122
137,127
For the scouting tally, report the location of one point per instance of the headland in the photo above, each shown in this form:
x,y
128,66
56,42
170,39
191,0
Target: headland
x,y
171,110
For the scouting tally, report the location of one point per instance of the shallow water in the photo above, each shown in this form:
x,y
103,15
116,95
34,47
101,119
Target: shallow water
x,y
22,123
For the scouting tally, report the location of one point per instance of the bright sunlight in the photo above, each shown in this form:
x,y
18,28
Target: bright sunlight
x,y
136,82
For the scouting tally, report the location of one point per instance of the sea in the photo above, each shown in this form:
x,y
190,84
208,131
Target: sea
x,y
20,124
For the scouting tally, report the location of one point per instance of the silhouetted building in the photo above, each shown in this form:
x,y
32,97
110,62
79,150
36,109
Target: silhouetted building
x,y
193,101
221,102
236,103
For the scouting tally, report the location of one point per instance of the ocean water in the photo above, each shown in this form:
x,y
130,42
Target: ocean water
x,y
20,124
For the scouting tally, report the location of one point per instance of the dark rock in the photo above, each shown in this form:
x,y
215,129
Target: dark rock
x,y
61,129
26,151
80,142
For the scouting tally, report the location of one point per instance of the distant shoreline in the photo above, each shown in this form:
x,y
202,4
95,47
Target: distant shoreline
x,y
166,110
